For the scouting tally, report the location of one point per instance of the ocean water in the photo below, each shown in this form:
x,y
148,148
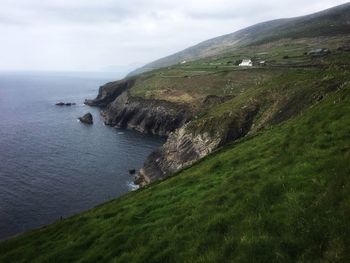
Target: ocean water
x,y
51,165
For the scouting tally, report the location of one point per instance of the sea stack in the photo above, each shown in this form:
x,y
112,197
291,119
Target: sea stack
x,y
87,118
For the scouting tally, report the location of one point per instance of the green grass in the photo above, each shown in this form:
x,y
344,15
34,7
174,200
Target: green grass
x,y
280,196
279,94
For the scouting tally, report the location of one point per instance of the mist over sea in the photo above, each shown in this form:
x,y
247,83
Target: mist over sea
x,y
51,165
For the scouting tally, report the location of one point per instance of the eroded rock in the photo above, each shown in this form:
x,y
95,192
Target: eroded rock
x,y
87,118
146,115
185,146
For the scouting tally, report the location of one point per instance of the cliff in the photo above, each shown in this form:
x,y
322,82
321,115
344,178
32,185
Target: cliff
x,y
121,109
187,145
110,91
194,131
146,115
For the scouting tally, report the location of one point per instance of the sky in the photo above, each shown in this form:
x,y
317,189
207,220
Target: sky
x,y
120,35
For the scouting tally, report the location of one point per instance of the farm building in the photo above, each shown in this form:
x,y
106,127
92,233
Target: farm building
x,y
319,52
246,63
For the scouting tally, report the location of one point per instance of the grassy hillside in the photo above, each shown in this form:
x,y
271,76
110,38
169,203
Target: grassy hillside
x,y
331,22
281,89
280,196
192,82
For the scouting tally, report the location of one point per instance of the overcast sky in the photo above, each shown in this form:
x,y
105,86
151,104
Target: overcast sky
x,y
95,35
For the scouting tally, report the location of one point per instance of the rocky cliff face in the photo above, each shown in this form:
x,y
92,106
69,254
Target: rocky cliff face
x,y
186,146
188,140
147,116
110,91
144,115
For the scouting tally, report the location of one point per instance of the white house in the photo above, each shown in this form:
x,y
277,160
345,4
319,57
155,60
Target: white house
x,y
246,63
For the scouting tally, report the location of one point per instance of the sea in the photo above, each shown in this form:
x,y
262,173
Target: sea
x,y
51,165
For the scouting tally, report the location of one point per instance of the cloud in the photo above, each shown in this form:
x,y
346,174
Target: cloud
x,y
100,34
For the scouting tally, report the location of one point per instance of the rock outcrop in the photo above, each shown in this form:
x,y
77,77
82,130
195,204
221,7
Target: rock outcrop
x,y
187,145
87,118
65,104
146,115
110,91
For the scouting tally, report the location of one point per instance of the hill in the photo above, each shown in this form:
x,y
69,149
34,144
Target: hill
x,y
280,196
331,22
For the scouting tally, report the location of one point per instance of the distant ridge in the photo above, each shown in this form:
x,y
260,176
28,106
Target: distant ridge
x,y
333,21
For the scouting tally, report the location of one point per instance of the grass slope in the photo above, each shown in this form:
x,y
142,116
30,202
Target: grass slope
x,y
280,196
192,82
